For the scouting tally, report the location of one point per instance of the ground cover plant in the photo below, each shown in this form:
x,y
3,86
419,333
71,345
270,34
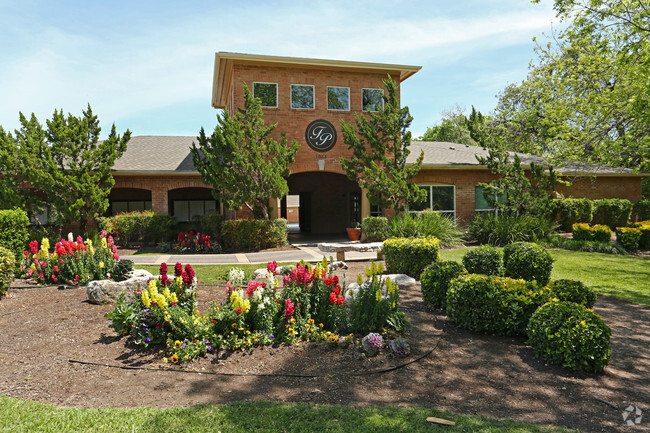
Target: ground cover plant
x,y
71,261
309,306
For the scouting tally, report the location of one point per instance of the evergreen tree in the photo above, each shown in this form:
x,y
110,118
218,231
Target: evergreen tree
x,y
245,166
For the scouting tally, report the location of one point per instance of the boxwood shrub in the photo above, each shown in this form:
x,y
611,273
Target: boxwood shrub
x,y
573,291
527,261
485,260
494,305
375,229
597,233
14,231
572,210
137,228
629,237
435,281
7,266
570,335
410,255
613,212
253,235
644,240
641,209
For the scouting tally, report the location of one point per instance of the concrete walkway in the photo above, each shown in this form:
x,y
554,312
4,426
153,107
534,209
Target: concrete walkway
x,y
308,252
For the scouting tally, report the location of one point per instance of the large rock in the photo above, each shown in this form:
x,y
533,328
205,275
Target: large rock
x,y
403,281
107,291
141,273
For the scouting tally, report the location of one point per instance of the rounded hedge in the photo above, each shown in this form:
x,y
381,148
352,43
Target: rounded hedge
x,y
410,255
573,291
570,335
435,281
494,305
485,260
527,261
375,229
7,266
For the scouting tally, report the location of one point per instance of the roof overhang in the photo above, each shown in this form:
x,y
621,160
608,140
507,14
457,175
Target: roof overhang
x,y
223,64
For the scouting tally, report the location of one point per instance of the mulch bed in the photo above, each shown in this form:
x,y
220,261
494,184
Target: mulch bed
x,y
43,328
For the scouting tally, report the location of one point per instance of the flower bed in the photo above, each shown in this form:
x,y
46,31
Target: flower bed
x,y
71,262
310,306
193,243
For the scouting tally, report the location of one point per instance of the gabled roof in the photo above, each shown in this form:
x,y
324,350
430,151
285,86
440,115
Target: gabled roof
x,y
439,154
224,61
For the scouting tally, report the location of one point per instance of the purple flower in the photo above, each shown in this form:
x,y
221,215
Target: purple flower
x,y
271,337
147,340
183,346
145,330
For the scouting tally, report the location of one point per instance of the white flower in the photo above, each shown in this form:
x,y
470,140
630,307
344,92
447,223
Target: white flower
x,y
236,277
70,237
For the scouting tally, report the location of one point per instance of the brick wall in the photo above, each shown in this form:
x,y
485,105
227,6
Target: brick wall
x,y
159,185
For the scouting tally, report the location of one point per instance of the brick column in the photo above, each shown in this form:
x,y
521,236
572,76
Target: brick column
x,y
159,200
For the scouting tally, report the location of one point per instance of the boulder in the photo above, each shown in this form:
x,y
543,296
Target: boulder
x,y
338,264
141,273
107,291
403,281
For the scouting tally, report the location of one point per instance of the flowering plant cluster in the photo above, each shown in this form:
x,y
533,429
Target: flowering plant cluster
x,y
71,262
192,243
310,305
372,343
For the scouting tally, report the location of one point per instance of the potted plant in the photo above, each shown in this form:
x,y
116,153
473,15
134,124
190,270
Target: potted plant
x,y
354,231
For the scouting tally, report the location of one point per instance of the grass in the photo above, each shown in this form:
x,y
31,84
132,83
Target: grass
x,y
622,277
212,274
26,416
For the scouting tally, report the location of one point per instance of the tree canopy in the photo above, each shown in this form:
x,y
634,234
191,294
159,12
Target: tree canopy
x,y
380,146
66,162
245,166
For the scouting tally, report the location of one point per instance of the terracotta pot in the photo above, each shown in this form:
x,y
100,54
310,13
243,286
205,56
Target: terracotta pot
x,y
354,234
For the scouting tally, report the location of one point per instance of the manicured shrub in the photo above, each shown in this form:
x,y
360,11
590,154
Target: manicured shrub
x,y
375,229
495,305
435,281
137,228
14,226
597,233
410,256
644,240
641,209
253,235
122,269
427,223
527,261
211,225
629,237
572,210
573,291
613,212
570,335
7,266
586,246
500,230
485,260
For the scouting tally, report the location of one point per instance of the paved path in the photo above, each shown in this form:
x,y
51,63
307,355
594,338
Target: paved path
x,y
306,252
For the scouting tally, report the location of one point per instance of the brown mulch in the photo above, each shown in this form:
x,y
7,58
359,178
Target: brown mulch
x,y
43,328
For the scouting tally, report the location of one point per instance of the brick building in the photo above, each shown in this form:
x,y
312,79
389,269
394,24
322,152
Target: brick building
x,y
307,98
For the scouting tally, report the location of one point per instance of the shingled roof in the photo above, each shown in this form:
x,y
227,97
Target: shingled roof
x,y
150,154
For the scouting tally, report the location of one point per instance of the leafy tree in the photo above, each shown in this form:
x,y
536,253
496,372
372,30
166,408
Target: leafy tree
x,y
380,146
455,127
587,98
523,194
66,162
244,165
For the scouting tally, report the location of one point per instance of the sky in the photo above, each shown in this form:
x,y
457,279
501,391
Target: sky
x,y
147,65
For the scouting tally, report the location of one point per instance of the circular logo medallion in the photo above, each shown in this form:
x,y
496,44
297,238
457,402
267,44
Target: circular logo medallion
x,y
320,135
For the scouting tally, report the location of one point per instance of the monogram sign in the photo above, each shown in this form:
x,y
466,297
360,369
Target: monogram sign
x,y
320,135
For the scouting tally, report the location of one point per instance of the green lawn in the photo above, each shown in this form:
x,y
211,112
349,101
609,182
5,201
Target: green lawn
x,y
26,416
211,274
622,277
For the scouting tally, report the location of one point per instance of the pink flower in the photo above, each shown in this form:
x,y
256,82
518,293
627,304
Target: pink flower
x,y
238,311
252,286
178,269
272,267
103,234
288,309
33,246
163,269
26,253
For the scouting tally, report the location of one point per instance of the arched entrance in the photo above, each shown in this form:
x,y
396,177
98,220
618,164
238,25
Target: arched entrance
x,y
328,202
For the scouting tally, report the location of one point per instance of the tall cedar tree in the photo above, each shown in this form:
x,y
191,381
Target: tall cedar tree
x,y
68,163
380,146
244,165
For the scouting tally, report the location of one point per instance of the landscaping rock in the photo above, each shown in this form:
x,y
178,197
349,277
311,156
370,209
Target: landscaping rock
x,y
107,291
338,265
140,273
403,281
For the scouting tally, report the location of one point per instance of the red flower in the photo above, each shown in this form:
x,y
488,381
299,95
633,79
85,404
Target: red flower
x,y
340,300
332,298
272,267
56,268
178,269
54,278
40,275
288,309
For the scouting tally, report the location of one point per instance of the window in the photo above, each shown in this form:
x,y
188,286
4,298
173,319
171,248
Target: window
x,y
302,96
372,99
441,198
481,204
187,210
122,206
375,211
338,98
267,93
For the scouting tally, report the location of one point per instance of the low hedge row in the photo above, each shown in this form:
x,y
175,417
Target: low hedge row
x,y
610,212
435,281
131,228
569,211
410,255
253,235
597,233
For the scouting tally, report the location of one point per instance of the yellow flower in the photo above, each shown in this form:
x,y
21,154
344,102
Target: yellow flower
x,y
378,295
234,325
146,301
291,331
104,244
293,320
307,326
165,360
101,265
310,321
174,358
248,332
177,343
321,325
